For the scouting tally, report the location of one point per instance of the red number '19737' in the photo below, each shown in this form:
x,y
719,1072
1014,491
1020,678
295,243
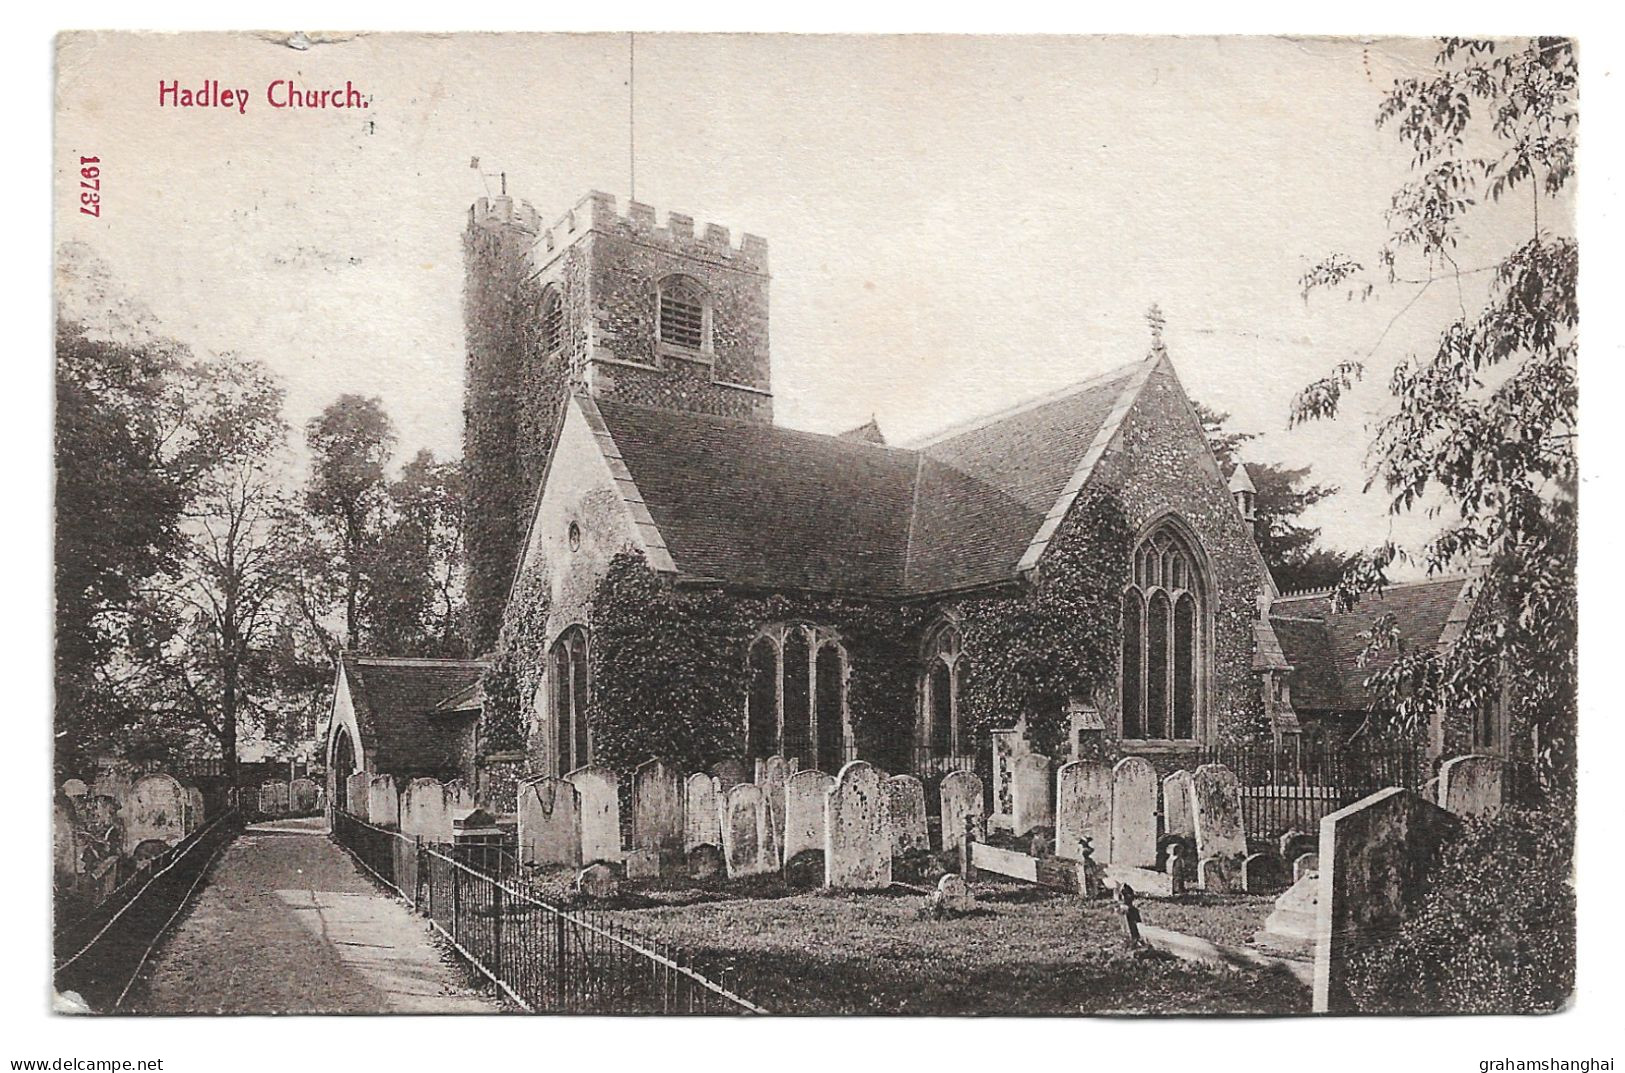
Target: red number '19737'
x,y
90,183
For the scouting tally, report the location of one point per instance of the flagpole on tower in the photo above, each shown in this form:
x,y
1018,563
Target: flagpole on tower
x,y
631,113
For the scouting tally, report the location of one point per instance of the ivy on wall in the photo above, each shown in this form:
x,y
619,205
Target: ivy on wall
x,y
516,665
669,666
1029,653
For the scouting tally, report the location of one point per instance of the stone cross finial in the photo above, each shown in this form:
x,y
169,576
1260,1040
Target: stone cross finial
x,y
1154,317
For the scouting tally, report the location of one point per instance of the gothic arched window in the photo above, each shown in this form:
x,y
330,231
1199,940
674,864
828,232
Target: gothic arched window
x,y
940,684
570,692
685,314
1163,615
552,319
795,706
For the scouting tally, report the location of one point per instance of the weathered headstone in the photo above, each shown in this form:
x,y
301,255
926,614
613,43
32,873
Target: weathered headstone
x,y
155,811
1030,794
303,795
192,802
1217,875
355,794
65,855
702,812
1007,746
642,864
600,812
657,808
952,897
265,804
1295,843
75,788
771,774
549,822
730,773
1134,813
1216,804
804,811
1471,785
705,861
597,881
101,825
1178,817
383,801
1430,790
1306,864
115,779
1083,809
748,843
905,812
1290,926
1374,857
961,800
424,810
857,832
1261,873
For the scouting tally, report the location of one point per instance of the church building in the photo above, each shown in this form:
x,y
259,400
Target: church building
x,y
619,402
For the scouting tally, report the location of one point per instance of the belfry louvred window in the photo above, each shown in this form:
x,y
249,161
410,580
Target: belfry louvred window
x,y
682,313
1163,666
552,320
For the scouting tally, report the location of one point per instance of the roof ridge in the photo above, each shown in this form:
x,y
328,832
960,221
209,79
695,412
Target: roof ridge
x,y
412,661
974,423
749,423
1311,594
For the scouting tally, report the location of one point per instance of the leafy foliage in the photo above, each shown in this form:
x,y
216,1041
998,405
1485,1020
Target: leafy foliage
x,y
414,596
1494,934
1483,430
350,443
516,666
1030,653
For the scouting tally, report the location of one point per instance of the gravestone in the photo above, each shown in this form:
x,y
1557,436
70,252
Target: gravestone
x,y
155,811
303,795
1216,805
355,794
1134,813
771,774
730,773
905,812
75,788
1083,809
265,803
1030,789
702,812
65,850
1295,843
1374,857
1430,790
642,864
1290,926
1261,873
383,801
657,808
857,831
1178,817
1471,785
705,861
804,811
192,800
961,800
597,881
549,822
952,897
1306,864
425,812
115,779
1217,875
101,825
600,812
1007,746
748,844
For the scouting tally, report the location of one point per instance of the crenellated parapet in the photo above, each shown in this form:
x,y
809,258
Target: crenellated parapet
x,y
679,233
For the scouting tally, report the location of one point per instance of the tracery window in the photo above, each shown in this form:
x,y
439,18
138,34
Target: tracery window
x,y
795,706
684,313
570,693
940,683
1163,614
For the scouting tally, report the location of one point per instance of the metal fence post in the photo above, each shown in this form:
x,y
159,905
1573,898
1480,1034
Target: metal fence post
x,y
456,900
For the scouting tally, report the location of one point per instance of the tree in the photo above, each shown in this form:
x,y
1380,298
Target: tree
x,y
1292,552
415,602
350,443
204,630
1482,429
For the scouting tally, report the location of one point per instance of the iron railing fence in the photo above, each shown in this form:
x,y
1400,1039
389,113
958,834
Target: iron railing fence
x,y
544,958
1292,787
100,954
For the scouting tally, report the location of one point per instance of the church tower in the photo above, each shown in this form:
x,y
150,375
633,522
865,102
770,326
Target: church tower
x,y
616,306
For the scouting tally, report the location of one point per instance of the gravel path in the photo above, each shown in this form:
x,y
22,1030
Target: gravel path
x,y
289,924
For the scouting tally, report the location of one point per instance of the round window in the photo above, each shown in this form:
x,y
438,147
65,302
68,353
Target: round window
x,y
575,536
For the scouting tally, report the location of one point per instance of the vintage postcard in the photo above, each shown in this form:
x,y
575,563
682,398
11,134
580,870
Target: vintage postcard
x,y
915,525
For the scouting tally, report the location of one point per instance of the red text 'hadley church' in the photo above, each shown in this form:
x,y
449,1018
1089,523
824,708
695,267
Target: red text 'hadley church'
x,y
281,93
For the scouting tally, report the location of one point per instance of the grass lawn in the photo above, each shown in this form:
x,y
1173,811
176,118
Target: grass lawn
x,y
1025,950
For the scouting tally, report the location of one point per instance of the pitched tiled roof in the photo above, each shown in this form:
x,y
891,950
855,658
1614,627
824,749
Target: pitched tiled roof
x,y
753,504
1325,646
395,702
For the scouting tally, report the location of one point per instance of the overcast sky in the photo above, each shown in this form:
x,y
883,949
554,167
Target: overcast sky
x,y
955,224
